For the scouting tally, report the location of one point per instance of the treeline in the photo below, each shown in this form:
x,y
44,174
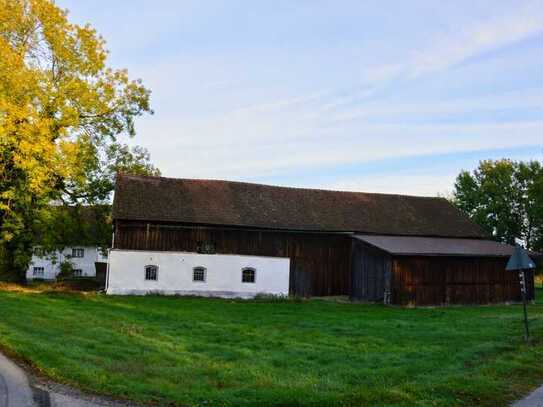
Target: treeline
x,y
505,197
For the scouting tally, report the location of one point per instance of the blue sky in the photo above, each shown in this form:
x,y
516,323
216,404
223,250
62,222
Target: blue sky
x,y
383,96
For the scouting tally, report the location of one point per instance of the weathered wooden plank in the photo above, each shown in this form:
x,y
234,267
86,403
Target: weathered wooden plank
x,y
370,272
454,280
322,260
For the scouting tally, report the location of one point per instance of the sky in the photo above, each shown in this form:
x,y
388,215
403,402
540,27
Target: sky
x,y
377,96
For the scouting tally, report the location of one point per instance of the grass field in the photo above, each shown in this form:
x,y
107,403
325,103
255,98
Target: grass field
x,y
188,351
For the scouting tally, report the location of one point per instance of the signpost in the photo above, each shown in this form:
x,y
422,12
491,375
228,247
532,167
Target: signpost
x,y
521,262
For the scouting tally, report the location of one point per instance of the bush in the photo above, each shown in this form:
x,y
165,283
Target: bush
x,y
66,270
263,297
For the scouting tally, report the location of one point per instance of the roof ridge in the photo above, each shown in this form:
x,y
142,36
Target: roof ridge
x,y
277,186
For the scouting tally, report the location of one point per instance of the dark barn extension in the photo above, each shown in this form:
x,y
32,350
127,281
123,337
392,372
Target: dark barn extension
x,y
454,280
434,271
372,247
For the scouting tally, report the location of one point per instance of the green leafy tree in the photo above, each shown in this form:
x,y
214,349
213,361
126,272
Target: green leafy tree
x,y
63,111
101,170
505,198
84,217
60,226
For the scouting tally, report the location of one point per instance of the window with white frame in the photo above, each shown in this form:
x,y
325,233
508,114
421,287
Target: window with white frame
x,y
78,273
199,274
248,275
38,271
78,252
151,273
39,251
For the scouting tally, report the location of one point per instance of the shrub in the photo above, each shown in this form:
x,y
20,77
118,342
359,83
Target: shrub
x,y
66,270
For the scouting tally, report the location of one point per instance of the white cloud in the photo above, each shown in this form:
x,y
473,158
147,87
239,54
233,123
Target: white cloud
x,y
468,42
414,184
520,100
215,120
258,146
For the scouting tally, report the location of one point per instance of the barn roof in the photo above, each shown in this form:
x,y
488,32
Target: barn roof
x,y
432,246
212,202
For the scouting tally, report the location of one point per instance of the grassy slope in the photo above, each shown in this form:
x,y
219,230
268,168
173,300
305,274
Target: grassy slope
x,y
216,352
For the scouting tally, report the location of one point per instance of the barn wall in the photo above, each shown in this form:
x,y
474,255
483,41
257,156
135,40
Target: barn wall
x,y
175,274
371,271
319,263
454,280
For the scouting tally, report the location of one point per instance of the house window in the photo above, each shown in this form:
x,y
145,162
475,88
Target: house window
x,y
151,273
38,271
39,252
248,275
199,274
78,273
77,252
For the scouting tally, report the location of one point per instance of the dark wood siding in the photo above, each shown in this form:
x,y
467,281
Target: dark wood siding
x,y
335,264
319,262
371,271
454,280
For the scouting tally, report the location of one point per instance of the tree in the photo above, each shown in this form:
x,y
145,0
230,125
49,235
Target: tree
x,y
506,199
58,227
100,172
62,110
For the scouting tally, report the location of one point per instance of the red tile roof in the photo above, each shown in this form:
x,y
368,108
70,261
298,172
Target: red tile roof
x,y
226,203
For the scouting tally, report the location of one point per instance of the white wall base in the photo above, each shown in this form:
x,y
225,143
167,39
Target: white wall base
x,y
175,274
185,293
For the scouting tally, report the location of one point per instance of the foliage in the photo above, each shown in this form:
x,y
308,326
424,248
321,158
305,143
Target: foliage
x,y
506,199
196,351
66,270
101,169
61,112
62,226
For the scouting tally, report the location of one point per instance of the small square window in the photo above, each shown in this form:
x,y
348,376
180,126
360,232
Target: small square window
x,y
38,271
77,252
199,274
78,273
248,275
151,273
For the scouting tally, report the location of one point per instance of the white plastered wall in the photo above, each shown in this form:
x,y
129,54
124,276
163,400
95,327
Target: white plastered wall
x,y
51,262
126,274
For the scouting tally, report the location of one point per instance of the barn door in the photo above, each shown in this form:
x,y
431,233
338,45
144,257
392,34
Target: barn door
x,y
300,279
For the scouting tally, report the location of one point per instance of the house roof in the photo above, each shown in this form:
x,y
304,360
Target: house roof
x,y
435,246
212,202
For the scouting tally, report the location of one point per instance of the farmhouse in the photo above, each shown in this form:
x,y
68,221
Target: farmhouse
x,y
206,237
81,236
84,262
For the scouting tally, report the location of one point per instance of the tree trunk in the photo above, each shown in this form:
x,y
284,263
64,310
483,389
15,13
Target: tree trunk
x,y
15,256
9,270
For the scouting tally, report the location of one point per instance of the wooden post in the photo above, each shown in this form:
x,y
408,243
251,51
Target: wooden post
x,y
522,275
521,262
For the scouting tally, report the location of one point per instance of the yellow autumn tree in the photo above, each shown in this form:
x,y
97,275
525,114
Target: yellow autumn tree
x,y
59,103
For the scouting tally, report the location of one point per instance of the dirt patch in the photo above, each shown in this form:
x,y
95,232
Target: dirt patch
x,y
63,286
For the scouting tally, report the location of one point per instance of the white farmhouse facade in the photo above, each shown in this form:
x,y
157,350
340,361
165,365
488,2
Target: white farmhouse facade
x,y
132,272
46,266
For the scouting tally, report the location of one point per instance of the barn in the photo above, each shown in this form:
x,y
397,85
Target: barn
x,y
236,239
